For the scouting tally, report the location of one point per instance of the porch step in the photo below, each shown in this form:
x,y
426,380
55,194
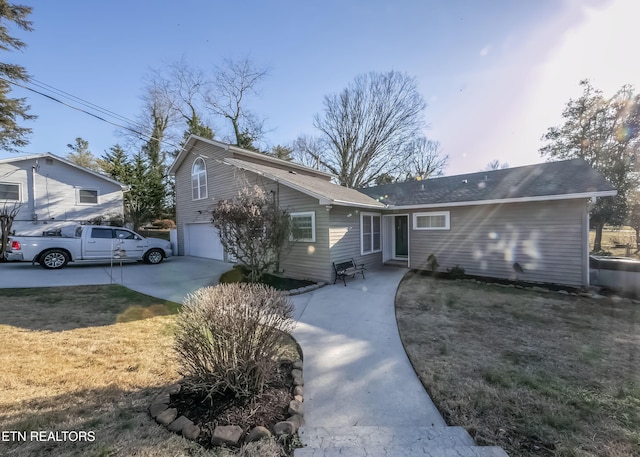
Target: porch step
x,y
374,441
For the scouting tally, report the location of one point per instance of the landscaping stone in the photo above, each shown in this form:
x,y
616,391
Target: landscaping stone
x,y
177,425
298,398
296,407
297,365
229,435
162,398
298,390
173,389
167,416
157,408
191,431
298,380
257,433
284,428
297,420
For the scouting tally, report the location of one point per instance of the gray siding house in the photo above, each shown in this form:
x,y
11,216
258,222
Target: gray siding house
x,y
55,194
529,223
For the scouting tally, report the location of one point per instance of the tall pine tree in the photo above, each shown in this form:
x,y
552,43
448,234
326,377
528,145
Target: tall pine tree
x,y
12,110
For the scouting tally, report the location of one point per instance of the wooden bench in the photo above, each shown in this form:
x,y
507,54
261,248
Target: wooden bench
x,y
347,269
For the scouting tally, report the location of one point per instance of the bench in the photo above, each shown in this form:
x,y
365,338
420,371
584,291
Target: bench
x,y
347,269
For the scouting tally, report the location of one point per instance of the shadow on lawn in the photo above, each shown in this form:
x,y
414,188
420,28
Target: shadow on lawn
x,y
115,418
57,309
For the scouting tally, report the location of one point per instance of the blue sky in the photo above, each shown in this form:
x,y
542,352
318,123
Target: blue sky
x,y
495,73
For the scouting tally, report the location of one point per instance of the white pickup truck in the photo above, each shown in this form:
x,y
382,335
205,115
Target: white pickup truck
x,y
90,243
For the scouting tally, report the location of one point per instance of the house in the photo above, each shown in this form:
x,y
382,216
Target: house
x,y
528,222
55,194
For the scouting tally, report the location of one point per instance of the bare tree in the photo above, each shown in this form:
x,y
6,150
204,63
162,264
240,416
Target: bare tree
x,y
496,165
307,150
426,159
7,216
365,128
253,229
235,81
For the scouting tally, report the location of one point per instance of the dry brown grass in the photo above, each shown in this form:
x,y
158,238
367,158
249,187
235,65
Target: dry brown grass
x,y
88,359
537,373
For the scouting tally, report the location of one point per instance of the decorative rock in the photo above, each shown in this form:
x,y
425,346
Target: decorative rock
x,y
177,425
173,389
298,380
297,420
163,398
167,416
296,407
297,365
298,398
226,434
284,428
257,433
191,431
157,408
322,284
298,390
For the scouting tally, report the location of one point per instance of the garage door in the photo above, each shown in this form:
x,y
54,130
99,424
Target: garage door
x,y
203,240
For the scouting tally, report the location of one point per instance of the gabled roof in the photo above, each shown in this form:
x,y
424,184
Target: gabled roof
x,y
239,152
561,180
65,161
326,192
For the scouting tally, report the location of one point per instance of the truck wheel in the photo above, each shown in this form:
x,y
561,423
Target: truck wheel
x,y
54,259
153,256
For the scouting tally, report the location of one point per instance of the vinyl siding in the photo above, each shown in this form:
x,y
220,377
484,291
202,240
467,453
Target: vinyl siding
x,y
344,238
307,260
546,238
52,196
303,261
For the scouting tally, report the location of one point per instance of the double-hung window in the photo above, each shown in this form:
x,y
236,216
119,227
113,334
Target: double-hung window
x,y
87,197
303,226
199,179
9,191
436,220
370,240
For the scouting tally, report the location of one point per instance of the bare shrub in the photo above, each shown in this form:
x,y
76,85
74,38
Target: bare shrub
x,y
228,337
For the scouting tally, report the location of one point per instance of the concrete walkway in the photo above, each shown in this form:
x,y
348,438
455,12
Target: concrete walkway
x,y
362,397
356,369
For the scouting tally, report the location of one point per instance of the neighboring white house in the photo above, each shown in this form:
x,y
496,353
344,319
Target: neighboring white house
x,y
55,194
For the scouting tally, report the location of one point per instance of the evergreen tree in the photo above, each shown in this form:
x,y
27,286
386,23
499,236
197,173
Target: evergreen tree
x,y
12,136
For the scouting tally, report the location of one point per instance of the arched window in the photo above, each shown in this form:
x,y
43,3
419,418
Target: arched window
x,y
199,179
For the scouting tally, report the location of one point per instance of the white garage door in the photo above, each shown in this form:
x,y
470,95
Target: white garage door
x,y
203,240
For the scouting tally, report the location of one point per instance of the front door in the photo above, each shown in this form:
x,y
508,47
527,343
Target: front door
x,y
401,236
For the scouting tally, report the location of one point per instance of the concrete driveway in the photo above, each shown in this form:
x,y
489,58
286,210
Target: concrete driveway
x,y
172,279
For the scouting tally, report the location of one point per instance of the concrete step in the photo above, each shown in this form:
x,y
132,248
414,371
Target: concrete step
x,y
365,436
381,451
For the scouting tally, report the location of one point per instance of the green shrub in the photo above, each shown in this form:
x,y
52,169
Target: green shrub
x,y
456,272
228,336
234,275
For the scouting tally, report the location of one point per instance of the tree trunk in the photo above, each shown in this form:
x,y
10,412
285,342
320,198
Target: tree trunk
x,y
597,243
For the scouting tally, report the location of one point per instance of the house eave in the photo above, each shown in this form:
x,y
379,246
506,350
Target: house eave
x,y
540,198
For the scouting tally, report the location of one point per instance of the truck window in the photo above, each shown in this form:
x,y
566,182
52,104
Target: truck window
x,y
79,232
125,235
101,233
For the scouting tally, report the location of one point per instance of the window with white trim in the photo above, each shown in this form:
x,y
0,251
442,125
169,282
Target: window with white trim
x,y
435,220
9,191
199,179
370,240
87,197
303,226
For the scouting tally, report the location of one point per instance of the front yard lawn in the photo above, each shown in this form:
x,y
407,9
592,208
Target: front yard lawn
x,y
86,359
537,373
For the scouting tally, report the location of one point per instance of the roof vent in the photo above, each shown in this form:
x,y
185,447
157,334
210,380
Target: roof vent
x,y
464,181
293,172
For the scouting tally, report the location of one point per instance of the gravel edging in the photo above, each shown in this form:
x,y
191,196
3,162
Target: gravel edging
x,y
305,289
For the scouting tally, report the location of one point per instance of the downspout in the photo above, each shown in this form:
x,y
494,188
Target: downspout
x,y
34,215
586,279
